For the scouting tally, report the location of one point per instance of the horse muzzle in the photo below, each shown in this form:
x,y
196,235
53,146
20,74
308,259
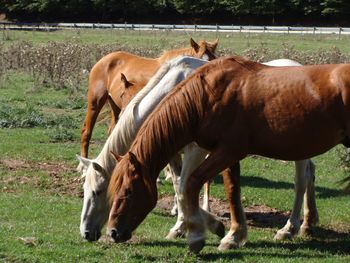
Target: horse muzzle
x,y
91,236
119,236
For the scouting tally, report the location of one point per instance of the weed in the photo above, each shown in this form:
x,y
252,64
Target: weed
x,y
24,117
61,134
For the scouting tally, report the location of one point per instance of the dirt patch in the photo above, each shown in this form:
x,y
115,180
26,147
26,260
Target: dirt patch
x,y
257,215
57,181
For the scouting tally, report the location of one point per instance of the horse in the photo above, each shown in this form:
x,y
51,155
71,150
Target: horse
x,y
99,170
105,83
232,107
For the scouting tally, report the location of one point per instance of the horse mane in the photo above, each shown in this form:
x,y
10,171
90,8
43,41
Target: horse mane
x,y
173,120
171,124
124,132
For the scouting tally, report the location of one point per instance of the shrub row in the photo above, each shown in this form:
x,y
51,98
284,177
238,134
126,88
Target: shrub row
x,y
65,65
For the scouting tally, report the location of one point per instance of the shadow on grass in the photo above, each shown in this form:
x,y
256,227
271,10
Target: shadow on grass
x,y
258,182
303,249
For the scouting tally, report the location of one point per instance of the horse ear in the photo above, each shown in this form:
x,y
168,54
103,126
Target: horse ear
x,y
83,162
117,157
98,167
133,160
215,44
125,80
194,45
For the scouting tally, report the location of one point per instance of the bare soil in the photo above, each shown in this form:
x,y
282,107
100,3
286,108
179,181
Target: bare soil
x,y
257,215
58,182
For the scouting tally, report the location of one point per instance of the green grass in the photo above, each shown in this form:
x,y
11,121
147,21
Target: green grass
x,y
237,42
39,195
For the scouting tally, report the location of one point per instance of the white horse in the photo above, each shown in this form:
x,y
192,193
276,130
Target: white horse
x,y
97,172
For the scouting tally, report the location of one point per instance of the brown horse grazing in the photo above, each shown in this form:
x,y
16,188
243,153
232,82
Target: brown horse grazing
x,y
232,107
105,82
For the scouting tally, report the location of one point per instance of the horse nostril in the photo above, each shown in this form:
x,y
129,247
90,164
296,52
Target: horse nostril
x,y
86,235
114,235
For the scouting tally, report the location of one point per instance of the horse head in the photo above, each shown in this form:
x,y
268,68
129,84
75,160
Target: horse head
x,y
204,50
95,205
132,196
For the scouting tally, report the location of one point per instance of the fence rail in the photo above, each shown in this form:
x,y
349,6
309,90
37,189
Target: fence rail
x,y
215,28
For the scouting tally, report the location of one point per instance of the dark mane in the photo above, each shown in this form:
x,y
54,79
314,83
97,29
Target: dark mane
x,y
172,124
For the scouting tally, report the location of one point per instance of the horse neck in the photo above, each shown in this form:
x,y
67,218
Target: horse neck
x,y
168,129
127,126
167,55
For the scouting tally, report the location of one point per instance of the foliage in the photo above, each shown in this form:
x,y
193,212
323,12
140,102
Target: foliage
x,y
119,11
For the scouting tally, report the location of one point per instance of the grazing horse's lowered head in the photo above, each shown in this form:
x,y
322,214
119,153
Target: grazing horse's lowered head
x,y
95,209
131,186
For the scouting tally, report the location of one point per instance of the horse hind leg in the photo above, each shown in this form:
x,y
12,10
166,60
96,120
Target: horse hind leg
x,y
293,224
237,235
310,209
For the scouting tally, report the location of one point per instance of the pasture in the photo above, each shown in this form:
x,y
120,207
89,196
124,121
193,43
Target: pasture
x,y
41,111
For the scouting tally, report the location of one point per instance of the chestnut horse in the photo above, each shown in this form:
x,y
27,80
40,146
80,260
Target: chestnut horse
x,y
231,107
105,83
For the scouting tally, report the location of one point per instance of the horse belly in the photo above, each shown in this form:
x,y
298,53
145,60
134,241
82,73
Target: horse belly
x,y
296,145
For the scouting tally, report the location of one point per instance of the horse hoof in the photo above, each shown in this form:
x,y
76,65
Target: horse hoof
x,y
196,246
227,245
174,234
305,231
282,235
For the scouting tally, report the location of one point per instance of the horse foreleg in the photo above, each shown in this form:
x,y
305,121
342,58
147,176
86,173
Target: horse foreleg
x,y
189,195
237,235
115,110
193,156
95,104
173,170
293,224
205,205
310,209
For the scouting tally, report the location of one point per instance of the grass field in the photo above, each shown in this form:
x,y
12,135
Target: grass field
x,y
40,192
